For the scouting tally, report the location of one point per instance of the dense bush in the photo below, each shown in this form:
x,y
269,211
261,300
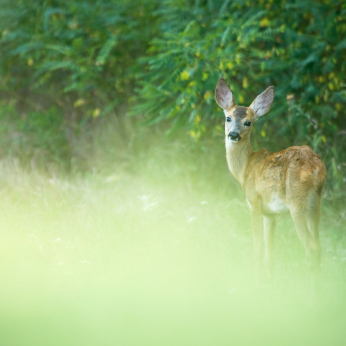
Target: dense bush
x,y
297,46
82,61
78,57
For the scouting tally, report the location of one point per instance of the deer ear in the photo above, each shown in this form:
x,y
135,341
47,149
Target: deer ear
x,y
263,102
223,95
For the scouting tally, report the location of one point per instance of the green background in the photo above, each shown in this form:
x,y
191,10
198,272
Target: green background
x,y
120,222
67,67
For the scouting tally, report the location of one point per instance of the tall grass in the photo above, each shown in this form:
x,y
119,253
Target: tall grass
x,y
159,254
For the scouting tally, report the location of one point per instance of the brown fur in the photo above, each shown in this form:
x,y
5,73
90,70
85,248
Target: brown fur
x,y
293,174
289,180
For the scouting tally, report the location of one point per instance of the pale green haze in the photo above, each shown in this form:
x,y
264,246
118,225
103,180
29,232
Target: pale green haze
x,y
120,223
160,257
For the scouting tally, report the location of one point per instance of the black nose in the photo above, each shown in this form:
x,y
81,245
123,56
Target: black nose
x,y
234,136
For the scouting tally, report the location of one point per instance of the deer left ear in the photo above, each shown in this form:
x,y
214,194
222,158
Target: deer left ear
x,y
223,95
262,103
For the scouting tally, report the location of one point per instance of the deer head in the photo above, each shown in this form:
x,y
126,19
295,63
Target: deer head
x,y
239,119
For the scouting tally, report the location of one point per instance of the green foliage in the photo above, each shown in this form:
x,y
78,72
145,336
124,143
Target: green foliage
x,y
296,46
73,46
76,56
161,60
34,135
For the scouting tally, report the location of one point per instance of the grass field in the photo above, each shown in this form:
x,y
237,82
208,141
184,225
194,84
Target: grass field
x,y
162,256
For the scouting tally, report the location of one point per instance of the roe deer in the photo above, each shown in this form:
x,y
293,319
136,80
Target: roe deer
x,y
274,183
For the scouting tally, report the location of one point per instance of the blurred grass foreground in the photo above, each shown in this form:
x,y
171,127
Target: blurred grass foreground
x,y
120,223
148,260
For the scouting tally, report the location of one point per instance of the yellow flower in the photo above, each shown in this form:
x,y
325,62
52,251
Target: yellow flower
x,y
96,113
79,102
264,22
208,94
205,75
184,75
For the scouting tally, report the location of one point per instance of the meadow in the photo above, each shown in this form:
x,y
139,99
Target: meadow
x,y
120,222
161,255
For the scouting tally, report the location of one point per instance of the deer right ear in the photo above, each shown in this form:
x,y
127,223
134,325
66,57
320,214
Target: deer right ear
x,y
263,102
223,95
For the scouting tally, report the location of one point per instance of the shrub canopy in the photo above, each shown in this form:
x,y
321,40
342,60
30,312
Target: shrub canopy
x,y
83,60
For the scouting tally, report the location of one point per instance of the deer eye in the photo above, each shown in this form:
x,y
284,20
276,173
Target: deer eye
x,y
228,119
247,123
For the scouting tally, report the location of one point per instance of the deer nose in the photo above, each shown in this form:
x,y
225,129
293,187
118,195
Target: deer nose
x,y
234,136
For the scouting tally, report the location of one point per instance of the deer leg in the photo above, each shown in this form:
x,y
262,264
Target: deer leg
x,y
313,220
315,247
269,228
307,230
257,229
315,251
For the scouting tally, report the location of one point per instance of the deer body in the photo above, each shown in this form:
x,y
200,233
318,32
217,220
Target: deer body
x,y
274,183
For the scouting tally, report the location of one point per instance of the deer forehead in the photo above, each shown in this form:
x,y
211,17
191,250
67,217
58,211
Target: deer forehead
x,y
239,113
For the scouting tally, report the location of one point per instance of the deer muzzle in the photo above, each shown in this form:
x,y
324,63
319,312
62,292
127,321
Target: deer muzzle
x,y
234,136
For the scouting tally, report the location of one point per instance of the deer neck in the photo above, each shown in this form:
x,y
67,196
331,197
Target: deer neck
x,y
238,156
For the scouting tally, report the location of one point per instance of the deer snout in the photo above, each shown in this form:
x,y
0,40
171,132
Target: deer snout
x,y
234,136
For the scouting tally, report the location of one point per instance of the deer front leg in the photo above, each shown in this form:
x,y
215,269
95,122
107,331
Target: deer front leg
x,y
269,229
257,230
310,240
